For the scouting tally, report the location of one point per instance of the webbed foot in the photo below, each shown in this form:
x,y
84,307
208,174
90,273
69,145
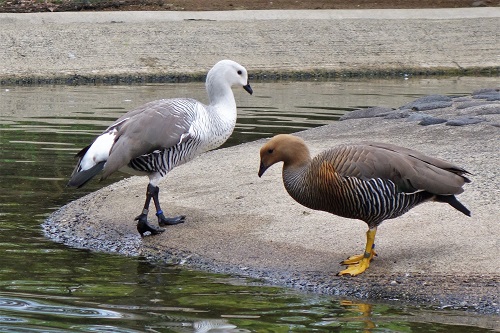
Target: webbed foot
x,y
356,269
357,258
143,226
360,263
164,221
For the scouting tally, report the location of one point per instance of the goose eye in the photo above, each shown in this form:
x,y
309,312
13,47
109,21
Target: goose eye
x,y
239,72
270,151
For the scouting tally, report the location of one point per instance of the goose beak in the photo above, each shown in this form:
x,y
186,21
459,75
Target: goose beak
x,y
262,169
248,88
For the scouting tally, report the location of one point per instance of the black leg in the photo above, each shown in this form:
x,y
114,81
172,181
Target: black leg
x,y
142,220
162,220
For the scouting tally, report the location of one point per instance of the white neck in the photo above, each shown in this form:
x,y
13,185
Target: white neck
x,y
221,101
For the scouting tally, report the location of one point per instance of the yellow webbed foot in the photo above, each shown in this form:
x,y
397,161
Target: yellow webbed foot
x,y
357,268
357,258
359,263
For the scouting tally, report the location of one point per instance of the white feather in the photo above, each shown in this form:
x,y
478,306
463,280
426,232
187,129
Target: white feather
x,y
99,151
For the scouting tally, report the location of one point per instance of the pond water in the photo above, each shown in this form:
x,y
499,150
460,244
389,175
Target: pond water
x,y
47,287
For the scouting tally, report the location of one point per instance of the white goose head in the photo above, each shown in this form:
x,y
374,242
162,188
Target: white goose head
x,y
224,75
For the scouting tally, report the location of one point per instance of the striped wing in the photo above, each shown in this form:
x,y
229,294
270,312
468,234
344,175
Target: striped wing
x,y
410,170
155,126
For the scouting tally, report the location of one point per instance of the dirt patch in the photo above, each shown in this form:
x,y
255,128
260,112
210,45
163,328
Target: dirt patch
x,y
26,6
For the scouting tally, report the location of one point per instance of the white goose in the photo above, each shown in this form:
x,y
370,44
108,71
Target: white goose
x,y
160,135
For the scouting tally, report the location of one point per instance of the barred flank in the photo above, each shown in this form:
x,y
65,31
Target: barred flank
x,y
372,201
162,161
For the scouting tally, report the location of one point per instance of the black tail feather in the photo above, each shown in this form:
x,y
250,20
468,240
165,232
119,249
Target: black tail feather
x,y
78,179
452,201
82,152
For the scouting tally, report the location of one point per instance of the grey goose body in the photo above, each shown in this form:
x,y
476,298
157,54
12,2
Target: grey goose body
x,y
160,135
369,181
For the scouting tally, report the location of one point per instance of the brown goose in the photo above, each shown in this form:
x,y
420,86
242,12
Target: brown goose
x,y
368,181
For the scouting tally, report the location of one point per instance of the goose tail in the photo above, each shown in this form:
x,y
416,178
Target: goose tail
x,y
80,178
452,201
91,160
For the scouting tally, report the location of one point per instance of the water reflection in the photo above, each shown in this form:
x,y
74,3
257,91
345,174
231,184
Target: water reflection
x,y
46,287
22,305
362,313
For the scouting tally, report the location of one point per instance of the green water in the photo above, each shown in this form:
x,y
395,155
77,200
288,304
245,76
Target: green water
x,y
47,287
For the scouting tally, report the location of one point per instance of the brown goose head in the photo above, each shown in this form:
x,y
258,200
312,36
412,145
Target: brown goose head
x,y
289,149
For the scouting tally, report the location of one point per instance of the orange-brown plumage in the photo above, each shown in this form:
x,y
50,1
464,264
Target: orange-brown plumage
x,y
368,181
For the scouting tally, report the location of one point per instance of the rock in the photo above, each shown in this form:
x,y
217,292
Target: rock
x,y
427,102
485,91
431,121
464,121
416,116
462,99
376,111
489,94
398,114
489,97
484,109
431,106
469,103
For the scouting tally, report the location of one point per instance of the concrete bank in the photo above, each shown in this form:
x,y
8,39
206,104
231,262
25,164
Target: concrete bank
x,y
111,47
240,224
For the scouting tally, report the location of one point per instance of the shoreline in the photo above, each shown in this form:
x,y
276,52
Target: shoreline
x,y
256,76
250,227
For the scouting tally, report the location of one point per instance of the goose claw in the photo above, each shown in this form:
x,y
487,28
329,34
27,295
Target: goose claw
x,y
164,221
143,226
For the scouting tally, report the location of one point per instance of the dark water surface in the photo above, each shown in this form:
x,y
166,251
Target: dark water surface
x,y
47,287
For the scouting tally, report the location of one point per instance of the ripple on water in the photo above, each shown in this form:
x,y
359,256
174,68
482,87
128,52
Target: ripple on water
x,y
20,305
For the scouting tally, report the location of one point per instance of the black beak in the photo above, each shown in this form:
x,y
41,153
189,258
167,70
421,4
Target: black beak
x,y
262,169
248,88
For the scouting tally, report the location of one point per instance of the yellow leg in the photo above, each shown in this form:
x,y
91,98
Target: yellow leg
x,y
359,263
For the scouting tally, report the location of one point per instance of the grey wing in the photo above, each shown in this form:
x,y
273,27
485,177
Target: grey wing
x,y
156,125
410,170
